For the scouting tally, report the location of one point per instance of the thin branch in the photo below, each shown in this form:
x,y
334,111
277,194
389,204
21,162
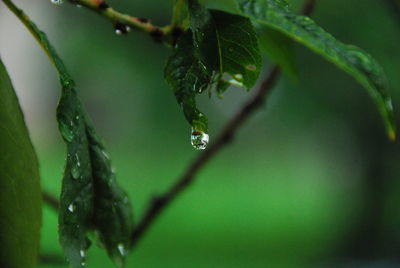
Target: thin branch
x,y
50,200
124,22
224,138
158,204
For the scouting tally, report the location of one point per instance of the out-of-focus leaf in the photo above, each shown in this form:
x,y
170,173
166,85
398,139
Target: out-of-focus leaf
x,y
88,178
20,194
188,76
226,44
277,15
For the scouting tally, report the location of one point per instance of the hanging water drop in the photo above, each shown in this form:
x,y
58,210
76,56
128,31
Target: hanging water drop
x,y
82,253
199,139
121,249
121,28
57,2
71,208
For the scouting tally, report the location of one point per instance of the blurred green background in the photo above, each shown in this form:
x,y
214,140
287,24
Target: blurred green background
x,y
310,180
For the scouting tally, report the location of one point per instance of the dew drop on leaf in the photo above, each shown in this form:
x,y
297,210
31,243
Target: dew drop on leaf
x,y
118,32
78,163
75,169
105,154
71,208
66,132
199,139
121,249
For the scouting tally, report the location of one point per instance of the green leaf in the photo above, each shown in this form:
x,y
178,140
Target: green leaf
x,y
226,44
89,181
276,15
20,194
188,76
279,49
220,49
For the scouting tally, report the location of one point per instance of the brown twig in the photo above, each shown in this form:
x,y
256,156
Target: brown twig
x,y
159,203
123,22
50,200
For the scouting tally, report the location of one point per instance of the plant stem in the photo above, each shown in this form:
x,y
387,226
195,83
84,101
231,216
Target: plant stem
x,y
160,203
136,23
177,13
50,200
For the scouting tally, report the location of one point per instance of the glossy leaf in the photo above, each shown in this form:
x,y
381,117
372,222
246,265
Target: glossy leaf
x,y
226,44
20,194
88,178
188,76
277,15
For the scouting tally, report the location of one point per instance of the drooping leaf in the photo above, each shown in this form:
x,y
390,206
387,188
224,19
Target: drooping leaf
x,y
88,177
226,44
277,15
188,76
20,194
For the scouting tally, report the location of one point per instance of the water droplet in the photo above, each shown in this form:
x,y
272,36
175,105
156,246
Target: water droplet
x,y
75,168
118,32
57,2
105,154
83,263
128,29
199,139
75,172
121,249
78,163
71,208
66,132
82,253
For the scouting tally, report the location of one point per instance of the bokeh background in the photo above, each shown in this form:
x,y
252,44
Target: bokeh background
x,y
310,181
